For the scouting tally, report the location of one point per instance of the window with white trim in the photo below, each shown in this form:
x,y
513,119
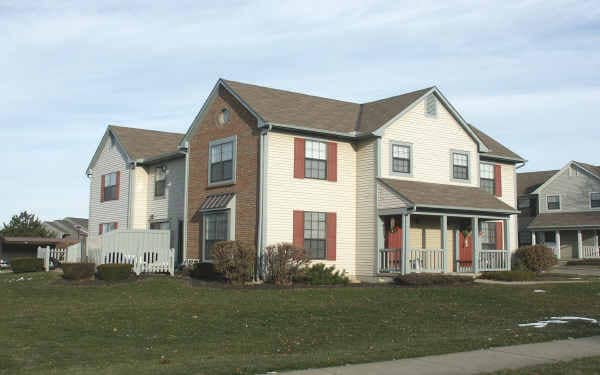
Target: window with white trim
x,y
315,232
315,159
110,186
486,177
595,200
160,181
524,202
460,166
107,227
488,238
222,161
431,105
401,161
553,202
216,229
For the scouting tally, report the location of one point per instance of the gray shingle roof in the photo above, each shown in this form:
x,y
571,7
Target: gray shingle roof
x,y
144,143
566,220
450,196
314,112
527,182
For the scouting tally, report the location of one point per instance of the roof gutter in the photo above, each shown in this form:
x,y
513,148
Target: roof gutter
x,y
458,208
354,135
162,157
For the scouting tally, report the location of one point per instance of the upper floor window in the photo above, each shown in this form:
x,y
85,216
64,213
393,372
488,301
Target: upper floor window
x,y
553,202
595,200
315,159
401,160
315,232
110,187
486,176
460,165
222,161
160,181
431,105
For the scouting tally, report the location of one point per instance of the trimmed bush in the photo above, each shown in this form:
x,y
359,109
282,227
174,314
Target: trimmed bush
x,y
509,275
78,271
319,274
584,262
428,279
284,262
22,265
536,258
235,260
114,272
206,271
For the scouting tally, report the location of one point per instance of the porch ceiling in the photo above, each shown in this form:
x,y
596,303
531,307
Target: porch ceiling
x,y
560,220
430,195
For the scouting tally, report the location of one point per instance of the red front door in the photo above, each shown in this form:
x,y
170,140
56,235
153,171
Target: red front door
x,y
465,249
393,238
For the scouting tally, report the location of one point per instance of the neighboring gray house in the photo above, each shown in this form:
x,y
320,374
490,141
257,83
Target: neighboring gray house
x,y
137,181
561,208
72,228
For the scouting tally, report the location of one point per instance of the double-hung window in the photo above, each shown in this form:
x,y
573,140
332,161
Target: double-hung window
x,y
216,229
401,160
595,200
160,182
488,239
110,186
553,202
315,232
107,227
486,176
460,165
315,160
222,161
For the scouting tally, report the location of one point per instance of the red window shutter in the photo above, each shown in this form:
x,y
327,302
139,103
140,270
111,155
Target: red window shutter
x,y
298,231
116,225
298,157
331,235
100,226
118,184
499,236
331,161
102,185
498,180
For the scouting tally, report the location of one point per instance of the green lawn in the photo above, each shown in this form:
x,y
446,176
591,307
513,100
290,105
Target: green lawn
x,y
49,326
584,366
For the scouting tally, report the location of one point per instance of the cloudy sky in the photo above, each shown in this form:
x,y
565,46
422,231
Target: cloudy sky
x,y
527,73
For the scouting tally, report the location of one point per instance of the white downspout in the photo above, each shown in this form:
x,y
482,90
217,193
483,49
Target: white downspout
x,y
262,197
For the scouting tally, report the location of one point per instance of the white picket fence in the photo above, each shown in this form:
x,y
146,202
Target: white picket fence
x,y
144,261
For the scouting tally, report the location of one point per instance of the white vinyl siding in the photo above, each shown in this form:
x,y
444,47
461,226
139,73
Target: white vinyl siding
x,y
433,140
366,210
286,194
574,191
110,160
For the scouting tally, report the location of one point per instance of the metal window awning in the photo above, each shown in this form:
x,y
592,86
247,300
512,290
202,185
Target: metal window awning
x,y
216,201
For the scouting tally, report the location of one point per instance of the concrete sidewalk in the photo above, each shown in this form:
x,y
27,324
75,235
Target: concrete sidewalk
x,y
475,362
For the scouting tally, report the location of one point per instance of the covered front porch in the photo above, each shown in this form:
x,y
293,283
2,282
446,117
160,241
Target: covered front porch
x,y
437,228
440,242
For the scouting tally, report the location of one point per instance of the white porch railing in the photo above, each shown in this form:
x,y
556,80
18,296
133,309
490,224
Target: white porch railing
x,y
590,252
48,254
390,260
427,260
143,261
494,260
419,260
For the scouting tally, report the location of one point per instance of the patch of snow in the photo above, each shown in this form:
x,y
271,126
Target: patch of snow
x,y
539,291
558,320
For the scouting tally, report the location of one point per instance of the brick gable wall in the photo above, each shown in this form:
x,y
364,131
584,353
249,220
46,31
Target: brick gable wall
x,y
243,124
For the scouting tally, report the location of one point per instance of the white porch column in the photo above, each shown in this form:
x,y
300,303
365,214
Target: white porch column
x,y
444,229
405,242
476,241
533,242
557,241
579,244
596,240
380,241
507,246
